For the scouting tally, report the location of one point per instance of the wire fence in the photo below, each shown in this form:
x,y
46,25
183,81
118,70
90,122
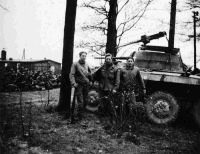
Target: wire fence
x,y
19,109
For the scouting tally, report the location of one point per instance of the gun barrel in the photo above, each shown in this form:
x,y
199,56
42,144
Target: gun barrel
x,y
157,36
146,39
112,57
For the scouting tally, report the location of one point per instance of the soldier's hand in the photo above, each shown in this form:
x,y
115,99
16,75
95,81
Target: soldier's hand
x,y
144,91
114,91
75,85
90,83
87,80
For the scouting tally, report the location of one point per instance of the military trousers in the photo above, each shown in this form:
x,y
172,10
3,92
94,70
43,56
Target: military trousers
x,y
82,96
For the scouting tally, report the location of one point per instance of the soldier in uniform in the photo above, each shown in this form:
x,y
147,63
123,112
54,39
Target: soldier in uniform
x,y
80,77
130,81
130,76
108,77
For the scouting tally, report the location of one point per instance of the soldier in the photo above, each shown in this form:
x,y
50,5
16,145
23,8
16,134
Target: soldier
x,y
80,77
108,76
130,81
130,76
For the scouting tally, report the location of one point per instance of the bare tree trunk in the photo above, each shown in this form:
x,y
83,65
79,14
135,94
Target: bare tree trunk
x,y
172,24
112,31
68,45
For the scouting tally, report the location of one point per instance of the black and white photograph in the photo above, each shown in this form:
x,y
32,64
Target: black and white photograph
x,y
99,77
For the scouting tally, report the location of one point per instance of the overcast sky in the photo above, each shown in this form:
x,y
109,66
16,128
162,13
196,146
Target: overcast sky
x,y
37,26
34,25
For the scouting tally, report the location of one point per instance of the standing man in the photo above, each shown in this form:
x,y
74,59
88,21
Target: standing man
x,y
130,76
80,77
131,81
108,77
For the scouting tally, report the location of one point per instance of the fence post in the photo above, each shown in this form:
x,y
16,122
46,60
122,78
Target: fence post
x,y
21,113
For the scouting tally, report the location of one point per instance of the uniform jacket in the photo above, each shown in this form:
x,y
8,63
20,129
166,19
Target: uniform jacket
x,y
80,73
130,77
108,78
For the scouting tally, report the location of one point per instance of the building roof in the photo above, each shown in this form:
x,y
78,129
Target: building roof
x,y
27,60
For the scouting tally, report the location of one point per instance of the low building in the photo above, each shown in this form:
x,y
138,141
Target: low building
x,y
32,65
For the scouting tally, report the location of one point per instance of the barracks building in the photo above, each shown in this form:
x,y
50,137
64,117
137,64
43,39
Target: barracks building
x,y
32,65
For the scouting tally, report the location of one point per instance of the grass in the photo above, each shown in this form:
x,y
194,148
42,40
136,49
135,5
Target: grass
x,y
51,133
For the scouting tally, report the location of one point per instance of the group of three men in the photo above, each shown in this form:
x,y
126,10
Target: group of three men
x,y
109,77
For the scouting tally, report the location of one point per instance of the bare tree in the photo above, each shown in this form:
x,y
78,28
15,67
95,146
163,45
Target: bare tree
x,y
108,25
68,45
112,31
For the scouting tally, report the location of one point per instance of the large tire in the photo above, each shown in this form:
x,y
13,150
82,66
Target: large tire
x,y
93,100
162,108
196,113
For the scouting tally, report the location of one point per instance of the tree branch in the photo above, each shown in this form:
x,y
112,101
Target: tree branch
x,y
101,10
130,27
4,8
123,6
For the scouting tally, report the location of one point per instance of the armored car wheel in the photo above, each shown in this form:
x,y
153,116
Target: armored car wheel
x,y
162,108
197,113
93,100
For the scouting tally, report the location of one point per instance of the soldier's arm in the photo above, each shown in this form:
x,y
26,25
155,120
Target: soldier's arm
x,y
72,74
140,80
90,74
117,79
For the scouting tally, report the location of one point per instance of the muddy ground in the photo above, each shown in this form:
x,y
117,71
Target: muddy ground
x,y
36,128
